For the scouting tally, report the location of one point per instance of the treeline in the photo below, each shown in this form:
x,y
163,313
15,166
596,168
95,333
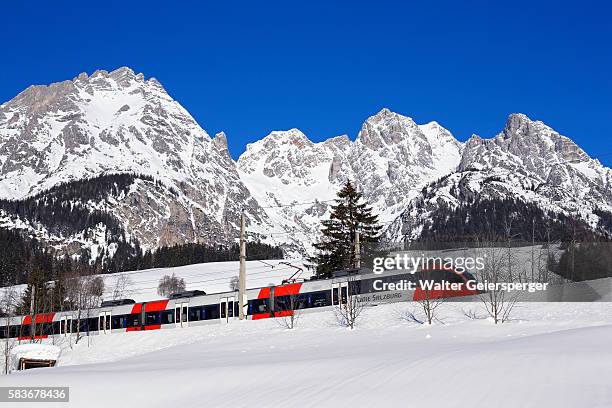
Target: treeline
x,y
194,253
63,209
20,255
497,219
584,260
605,220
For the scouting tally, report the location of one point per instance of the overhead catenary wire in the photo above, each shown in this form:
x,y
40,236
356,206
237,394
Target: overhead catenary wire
x,y
191,282
207,273
220,280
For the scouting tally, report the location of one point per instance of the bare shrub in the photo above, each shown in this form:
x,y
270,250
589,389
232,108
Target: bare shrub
x,y
83,293
292,309
121,288
410,316
9,300
349,308
234,283
498,269
429,302
170,284
473,314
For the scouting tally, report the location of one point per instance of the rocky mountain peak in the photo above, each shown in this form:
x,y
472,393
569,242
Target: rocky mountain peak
x,y
294,137
527,138
220,141
387,128
338,142
518,124
118,122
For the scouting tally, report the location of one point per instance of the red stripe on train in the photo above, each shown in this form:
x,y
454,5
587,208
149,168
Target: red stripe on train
x,y
291,289
155,306
40,318
285,290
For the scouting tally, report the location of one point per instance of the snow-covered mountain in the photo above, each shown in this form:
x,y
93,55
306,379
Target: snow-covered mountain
x,y
121,122
192,190
527,161
390,161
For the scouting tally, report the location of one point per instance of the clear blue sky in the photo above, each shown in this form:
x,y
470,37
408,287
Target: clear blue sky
x,y
324,67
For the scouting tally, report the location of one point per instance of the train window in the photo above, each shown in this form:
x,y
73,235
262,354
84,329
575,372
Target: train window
x,y
14,331
335,295
167,317
259,306
196,313
290,302
319,299
152,318
92,324
281,303
344,293
133,320
118,322
84,326
211,312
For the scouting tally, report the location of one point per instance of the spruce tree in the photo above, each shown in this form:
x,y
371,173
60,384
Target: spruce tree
x,y
37,279
349,215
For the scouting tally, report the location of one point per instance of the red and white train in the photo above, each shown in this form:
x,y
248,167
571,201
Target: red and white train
x,y
194,308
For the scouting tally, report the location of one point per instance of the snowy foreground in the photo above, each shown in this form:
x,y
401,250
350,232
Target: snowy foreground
x,y
550,355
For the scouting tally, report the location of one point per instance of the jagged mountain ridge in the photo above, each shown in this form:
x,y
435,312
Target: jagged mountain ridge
x,y
390,160
118,122
528,161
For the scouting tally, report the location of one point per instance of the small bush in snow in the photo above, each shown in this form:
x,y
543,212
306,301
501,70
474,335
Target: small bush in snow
x,y
170,284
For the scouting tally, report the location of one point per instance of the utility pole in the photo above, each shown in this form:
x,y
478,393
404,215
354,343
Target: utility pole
x,y
33,324
357,251
242,275
532,248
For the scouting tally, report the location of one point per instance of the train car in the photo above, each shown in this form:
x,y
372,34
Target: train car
x,y
195,308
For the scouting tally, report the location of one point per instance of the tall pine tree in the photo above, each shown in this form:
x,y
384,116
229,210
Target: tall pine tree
x,y
349,215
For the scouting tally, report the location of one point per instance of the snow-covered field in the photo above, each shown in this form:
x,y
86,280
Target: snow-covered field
x,y
549,355
211,277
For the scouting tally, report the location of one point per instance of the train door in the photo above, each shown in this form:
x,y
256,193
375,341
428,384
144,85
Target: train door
x,y
181,314
66,325
227,309
104,322
339,293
